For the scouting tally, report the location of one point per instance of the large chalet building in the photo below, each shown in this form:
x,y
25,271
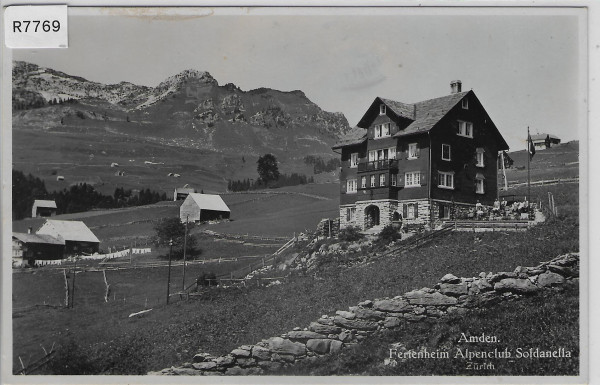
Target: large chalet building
x,y
418,163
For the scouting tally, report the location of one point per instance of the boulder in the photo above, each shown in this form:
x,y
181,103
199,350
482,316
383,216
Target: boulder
x,y
515,285
319,346
282,357
493,278
207,365
419,297
282,346
412,317
240,353
369,314
237,371
450,278
304,335
325,321
367,303
335,346
549,279
324,329
355,324
346,314
391,322
454,289
564,271
246,362
261,353
201,357
345,336
269,365
227,360
392,305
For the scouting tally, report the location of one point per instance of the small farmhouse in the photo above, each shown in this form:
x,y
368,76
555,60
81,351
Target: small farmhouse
x,y
77,237
182,193
43,208
28,248
203,207
418,163
544,141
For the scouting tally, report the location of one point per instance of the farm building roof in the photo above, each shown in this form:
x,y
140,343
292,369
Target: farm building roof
x,y
356,135
38,238
68,231
543,137
209,202
185,190
44,203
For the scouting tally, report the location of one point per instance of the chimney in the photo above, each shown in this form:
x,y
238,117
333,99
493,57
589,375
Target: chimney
x,y
455,86
29,230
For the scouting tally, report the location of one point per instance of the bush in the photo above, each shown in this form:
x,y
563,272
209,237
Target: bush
x,y
389,234
207,279
351,234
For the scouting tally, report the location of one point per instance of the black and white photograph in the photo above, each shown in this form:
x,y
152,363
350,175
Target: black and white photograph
x,y
397,193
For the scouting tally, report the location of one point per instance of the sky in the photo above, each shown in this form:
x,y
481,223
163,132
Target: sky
x,y
524,65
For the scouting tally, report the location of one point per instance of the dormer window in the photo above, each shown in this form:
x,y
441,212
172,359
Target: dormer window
x,y
382,109
382,130
465,104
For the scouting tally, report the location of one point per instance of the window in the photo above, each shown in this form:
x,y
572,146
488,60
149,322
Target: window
x,y
394,178
444,211
354,160
465,104
363,182
411,210
382,130
381,180
350,213
372,156
382,109
479,187
480,162
351,186
465,129
372,180
392,152
446,180
412,179
445,152
413,151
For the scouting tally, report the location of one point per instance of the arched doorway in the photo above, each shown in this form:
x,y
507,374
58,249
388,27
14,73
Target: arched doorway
x,y
371,216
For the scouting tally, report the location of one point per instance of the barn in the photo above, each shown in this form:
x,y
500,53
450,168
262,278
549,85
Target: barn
x,y
203,207
77,237
43,208
28,248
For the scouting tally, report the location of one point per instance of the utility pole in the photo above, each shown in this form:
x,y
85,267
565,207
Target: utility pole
x,y
73,291
184,251
169,279
529,143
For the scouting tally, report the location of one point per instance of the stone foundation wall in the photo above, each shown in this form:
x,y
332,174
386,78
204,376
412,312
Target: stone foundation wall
x,y
331,333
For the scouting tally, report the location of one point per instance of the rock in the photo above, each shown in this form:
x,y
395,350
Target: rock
x,y
324,329
434,312
515,285
564,271
237,371
482,284
335,346
450,278
282,357
389,305
246,362
319,346
549,279
227,360
201,357
281,346
355,324
186,372
482,274
325,321
207,365
240,353
369,314
297,328
419,310
345,336
419,297
304,335
391,322
483,300
454,289
367,303
412,317
346,314
261,353
456,310
500,276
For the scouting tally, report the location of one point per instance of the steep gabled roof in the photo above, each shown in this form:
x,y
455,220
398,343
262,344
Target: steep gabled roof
x,y
400,109
38,238
75,231
356,135
429,112
543,137
208,202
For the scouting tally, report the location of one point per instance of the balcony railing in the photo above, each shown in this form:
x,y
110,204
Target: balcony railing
x,y
386,164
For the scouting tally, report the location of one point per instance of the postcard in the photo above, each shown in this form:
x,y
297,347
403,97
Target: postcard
x,y
372,194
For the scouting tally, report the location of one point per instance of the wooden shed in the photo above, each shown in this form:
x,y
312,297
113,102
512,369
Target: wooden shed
x,y
203,207
78,238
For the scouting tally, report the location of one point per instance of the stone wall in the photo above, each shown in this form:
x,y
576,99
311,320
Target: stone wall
x,y
331,333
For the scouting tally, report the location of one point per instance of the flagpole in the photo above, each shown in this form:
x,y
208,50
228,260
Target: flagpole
x,y
528,161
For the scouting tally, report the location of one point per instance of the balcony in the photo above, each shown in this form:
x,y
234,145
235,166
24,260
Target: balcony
x,y
386,164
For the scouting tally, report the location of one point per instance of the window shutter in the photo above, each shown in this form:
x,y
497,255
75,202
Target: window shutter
x,y
416,210
404,211
423,179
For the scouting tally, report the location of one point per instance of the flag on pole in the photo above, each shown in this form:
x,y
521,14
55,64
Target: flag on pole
x,y
530,146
